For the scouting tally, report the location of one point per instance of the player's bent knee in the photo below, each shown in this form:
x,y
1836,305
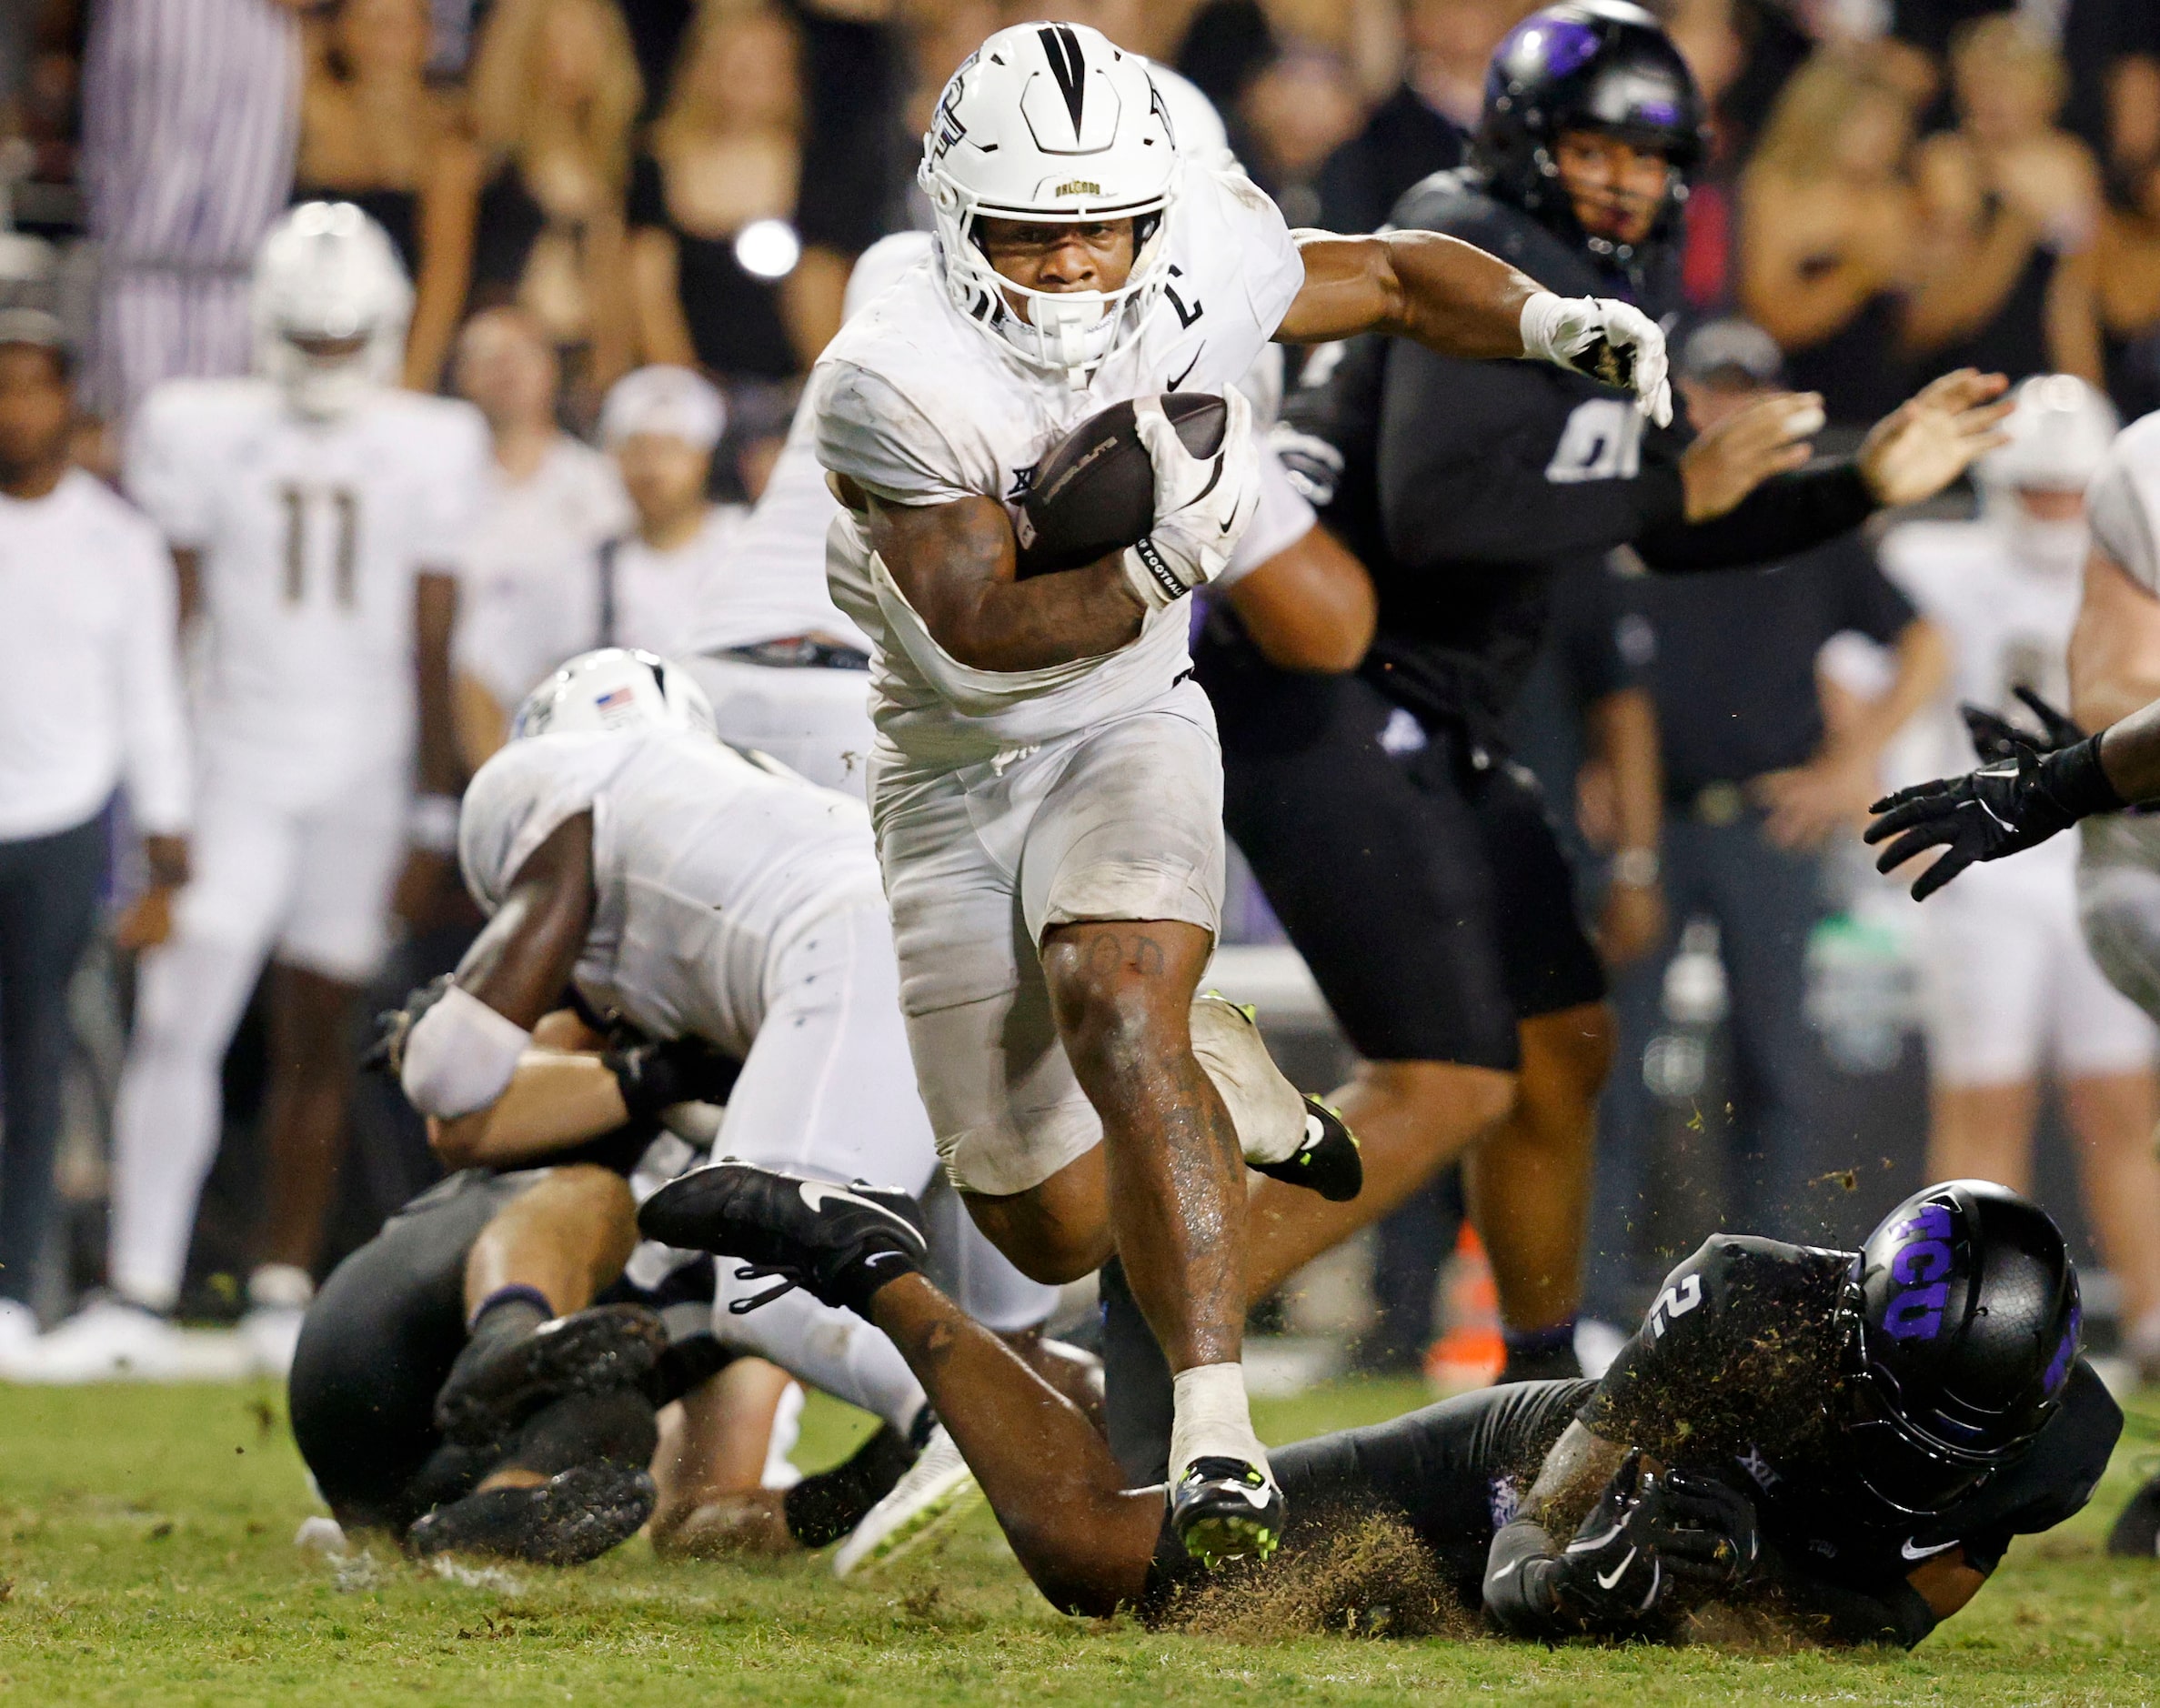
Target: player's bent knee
x,y
1571,1048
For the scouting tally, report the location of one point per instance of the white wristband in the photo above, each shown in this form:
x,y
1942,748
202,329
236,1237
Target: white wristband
x,y
1542,311
1152,576
432,823
1637,868
460,1056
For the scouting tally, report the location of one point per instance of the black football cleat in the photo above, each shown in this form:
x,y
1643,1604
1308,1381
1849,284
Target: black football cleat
x,y
2136,1533
1328,1161
1225,1508
495,1386
838,1243
576,1515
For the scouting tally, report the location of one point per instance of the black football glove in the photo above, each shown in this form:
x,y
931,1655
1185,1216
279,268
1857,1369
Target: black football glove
x,y
1995,737
1651,1537
385,1055
2000,808
655,1076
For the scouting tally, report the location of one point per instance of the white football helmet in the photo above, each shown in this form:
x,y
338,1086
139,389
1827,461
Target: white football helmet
x,y
2058,433
1051,122
615,688
326,272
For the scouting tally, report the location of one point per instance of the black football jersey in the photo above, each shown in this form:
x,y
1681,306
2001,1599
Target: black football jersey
x,y
1735,1370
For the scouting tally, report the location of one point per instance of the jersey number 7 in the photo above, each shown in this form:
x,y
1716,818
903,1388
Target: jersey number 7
x,y
345,505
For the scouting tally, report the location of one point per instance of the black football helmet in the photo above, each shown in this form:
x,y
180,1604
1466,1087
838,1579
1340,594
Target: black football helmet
x,y
1962,1328
1586,64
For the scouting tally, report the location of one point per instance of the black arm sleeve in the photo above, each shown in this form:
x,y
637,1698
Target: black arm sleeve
x,y
1785,515
1831,1614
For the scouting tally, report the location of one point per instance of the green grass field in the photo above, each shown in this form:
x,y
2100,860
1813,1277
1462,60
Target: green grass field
x,y
147,1556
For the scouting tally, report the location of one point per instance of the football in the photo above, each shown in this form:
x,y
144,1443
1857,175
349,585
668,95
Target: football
x,y
1095,492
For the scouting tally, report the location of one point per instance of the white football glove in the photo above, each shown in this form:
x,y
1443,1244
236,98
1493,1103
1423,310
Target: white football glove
x,y
1201,503
1608,341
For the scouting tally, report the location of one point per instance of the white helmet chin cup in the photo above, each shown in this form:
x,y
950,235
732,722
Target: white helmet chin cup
x,y
1050,124
2058,433
611,689
327,272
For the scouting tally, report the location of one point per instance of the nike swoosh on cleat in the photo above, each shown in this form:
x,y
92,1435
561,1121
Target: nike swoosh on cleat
x,y
1619,1572
1911,1553
1314,1132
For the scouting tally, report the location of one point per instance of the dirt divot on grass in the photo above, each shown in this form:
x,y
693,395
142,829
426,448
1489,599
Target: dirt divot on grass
x,y
1366,1576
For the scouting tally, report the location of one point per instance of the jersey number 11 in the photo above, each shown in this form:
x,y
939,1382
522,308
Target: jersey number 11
x,y
345,505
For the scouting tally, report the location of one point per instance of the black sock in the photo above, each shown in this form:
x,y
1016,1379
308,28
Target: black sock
x,y
1541,1354
1138,1401
508,1313
821,1509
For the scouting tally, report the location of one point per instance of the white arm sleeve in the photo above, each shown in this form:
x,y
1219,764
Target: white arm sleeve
x,y
1282,519
154,729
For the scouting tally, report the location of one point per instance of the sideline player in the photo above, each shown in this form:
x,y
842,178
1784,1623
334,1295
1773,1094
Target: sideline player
x,y
317,513
1047,784
2009,985
1411,860
2019,800
1852,1439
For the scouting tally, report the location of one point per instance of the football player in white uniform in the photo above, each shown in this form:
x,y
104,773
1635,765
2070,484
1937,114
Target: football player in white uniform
x,y
709,900
1047,784
2009,985
315,511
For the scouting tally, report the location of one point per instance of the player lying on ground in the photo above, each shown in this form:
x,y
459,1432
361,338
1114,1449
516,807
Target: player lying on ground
x,y
491,1373
701,897
1852,1438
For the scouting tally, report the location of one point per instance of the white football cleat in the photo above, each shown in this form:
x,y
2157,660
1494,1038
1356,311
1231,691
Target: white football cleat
x,y
109,1339
938,1487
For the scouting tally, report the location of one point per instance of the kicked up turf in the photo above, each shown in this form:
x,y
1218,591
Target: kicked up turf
x,y
147,1556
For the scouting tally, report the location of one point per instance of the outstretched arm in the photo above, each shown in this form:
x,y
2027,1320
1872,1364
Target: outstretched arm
x,y
1458,300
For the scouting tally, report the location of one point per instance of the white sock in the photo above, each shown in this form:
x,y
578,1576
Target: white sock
x,y
280,1286
165,1123
820,1344
1211,1419
1266,1108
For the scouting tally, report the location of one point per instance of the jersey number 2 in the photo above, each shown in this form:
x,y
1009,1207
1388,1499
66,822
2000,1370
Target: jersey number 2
x,y
345,505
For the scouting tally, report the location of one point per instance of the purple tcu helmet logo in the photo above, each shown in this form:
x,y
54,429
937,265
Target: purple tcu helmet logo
x,y
1919,1264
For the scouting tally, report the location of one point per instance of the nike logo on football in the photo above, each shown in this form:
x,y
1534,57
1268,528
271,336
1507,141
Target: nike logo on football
x,y
1911,1552
1619,1572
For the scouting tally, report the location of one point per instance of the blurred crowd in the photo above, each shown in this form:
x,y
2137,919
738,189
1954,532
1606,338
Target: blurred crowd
x,y
580,189
1897,187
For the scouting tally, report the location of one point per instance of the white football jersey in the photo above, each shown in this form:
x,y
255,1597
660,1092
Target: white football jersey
x,y
919,405
311,536
706,866
770,580
2124,502
2008,622
528,589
